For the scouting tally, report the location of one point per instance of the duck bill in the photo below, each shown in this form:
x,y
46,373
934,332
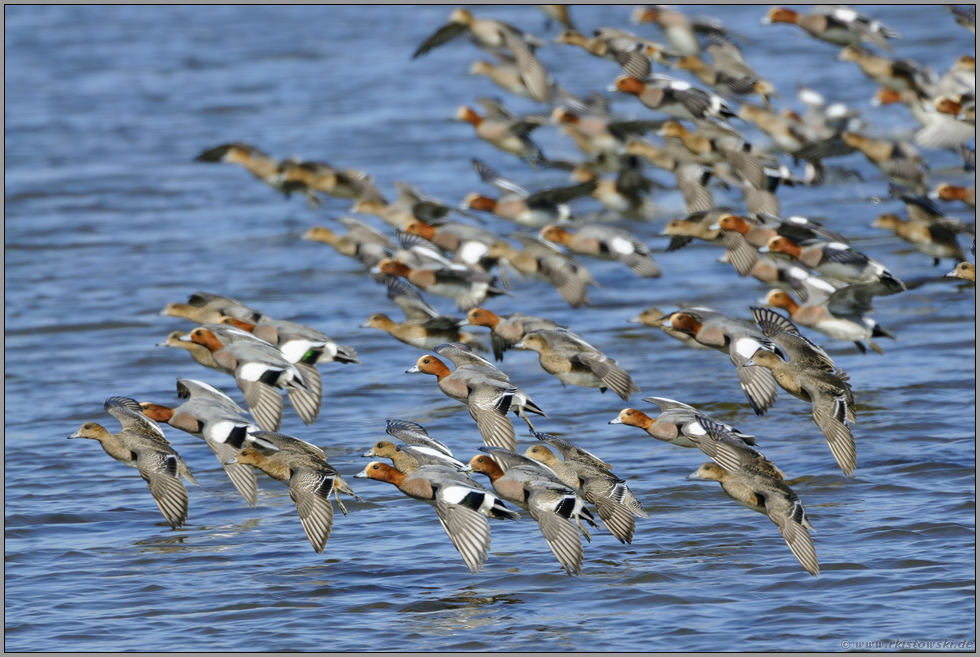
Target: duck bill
x,y
615,420
694,476
415,370
370,452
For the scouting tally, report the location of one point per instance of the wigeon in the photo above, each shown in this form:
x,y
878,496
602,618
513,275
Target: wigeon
x,y
462,505
755,483
606,242
835,24
506,330
573,360
141,444
675,424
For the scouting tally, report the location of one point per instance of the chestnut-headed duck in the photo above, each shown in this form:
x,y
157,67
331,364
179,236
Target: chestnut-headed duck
x,y
311,480
934,238
487,399
835,24
502,129
462,356
517,205
468,287
675,424
260,370
744,236
811,375
834,259
201,354
506,330
573,360
674,98
212,416
955,122
462,505
260,165
205,308
423,327
966,271
141,444
606,242
755,483
494,34
592,479
409,458
544,261
468,243
297,342
947,192
558,509
709,329
842,314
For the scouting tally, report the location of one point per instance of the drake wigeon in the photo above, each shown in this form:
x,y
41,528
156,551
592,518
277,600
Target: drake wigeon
x,y
423,327
842,314
141,444
507,330
500,128
409,458
462,505
463,357
675,424
934,238
205,308
744,236
297,342
494,34
361,242
487,399
674,98
811,375
755,483
606,242
201,354
573,360
835,24
260,165
708,329
836,260
468,243
468,287
310,479
544,261
517,205
259,370
558,509
591,478
897,160
947,192
955,122
211,415
966,271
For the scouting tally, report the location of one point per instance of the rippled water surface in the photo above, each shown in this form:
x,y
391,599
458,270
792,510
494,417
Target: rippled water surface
x,y
108,219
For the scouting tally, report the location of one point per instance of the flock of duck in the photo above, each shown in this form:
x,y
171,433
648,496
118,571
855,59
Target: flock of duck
x,y
816,277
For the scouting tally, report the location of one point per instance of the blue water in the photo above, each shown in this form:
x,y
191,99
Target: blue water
x,y
108,219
